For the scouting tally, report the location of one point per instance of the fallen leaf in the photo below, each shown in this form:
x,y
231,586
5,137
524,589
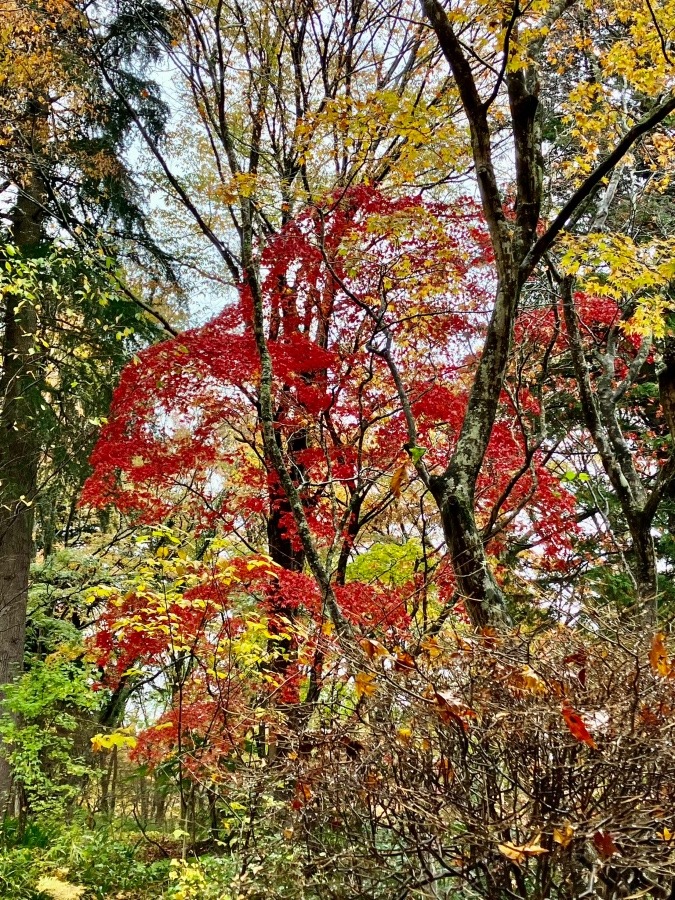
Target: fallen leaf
x,y
577,726
518,853
533,847
512,852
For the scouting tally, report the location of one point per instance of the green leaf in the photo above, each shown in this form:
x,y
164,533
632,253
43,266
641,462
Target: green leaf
x,y
416,453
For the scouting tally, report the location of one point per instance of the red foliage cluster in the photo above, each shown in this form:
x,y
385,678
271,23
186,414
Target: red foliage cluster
x,y
183,430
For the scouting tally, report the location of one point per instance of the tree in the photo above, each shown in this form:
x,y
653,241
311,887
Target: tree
x,y
508,54
62,179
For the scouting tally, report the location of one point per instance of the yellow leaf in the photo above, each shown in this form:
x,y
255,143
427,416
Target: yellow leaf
x,y
533,847
404,734
431,647
564,835
109,741
531,681
520,852
512,852
365,685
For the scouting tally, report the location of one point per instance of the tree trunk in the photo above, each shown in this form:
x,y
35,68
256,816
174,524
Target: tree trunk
x,y
644,566
19,448
476,586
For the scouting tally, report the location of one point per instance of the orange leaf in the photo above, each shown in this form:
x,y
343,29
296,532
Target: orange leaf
x,y
658,655
373,649
431,647
449,709
404,661
396,483
303,794
577,726
531,682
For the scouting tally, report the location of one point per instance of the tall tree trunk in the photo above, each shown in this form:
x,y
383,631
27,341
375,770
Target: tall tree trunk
x,y
517,251
476,586
19,447
643,565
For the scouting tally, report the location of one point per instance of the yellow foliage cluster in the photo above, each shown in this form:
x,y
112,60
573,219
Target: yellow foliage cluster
x,y
59,889
614,265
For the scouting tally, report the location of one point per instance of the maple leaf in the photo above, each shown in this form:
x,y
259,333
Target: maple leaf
x,y
577,726
604,844
531,682
404,661
658,656
373,649
365,684
431,647
564,835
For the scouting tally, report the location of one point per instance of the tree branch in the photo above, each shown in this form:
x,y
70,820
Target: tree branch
x,y
586,189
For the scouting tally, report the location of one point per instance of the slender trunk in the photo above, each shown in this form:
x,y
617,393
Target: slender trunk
x,y
600,415
454,490
283,548
19,448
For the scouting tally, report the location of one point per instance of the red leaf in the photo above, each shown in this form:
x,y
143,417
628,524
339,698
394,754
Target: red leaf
x,y
577,726
604,844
